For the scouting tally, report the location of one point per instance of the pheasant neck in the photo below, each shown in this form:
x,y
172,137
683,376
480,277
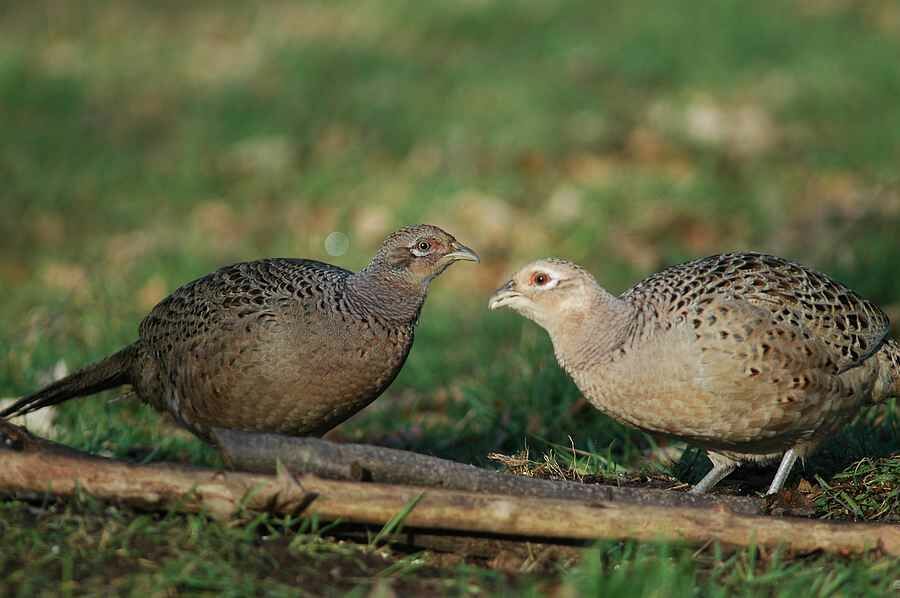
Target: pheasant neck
x,y
398,299
592,332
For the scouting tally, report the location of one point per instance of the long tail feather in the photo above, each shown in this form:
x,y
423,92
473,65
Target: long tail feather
x,y
105,374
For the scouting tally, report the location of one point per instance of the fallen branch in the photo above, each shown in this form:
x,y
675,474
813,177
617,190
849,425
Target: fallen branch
x,y
223,495
359,462
258,453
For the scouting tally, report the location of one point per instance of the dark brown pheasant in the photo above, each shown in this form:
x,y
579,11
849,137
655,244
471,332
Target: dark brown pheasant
x,y
290,346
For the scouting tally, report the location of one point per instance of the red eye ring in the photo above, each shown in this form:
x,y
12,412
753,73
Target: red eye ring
x,y
539,279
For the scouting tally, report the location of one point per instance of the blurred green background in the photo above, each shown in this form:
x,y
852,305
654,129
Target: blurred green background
x,y
145,144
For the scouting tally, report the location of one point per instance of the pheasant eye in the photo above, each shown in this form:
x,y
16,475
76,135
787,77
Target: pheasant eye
x,y
539,279
421,248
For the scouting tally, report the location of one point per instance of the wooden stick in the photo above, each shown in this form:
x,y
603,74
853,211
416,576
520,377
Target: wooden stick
x,y
189,489
522,553
359,462
258,453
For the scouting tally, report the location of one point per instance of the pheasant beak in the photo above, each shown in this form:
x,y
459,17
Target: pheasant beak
x,y
461,253
504,296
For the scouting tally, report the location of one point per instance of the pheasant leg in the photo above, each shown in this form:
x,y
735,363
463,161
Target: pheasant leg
x,y
784,470
718,472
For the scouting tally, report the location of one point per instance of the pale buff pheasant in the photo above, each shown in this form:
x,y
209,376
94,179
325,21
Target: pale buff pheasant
x,y
749,356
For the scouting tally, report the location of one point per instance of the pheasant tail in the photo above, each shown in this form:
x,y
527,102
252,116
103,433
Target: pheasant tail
x,y
105,374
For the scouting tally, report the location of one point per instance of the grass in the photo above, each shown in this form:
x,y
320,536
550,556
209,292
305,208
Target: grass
x,y
85,548
145,145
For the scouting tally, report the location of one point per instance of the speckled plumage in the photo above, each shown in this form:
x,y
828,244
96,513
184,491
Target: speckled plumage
x,y
280,345
747,355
